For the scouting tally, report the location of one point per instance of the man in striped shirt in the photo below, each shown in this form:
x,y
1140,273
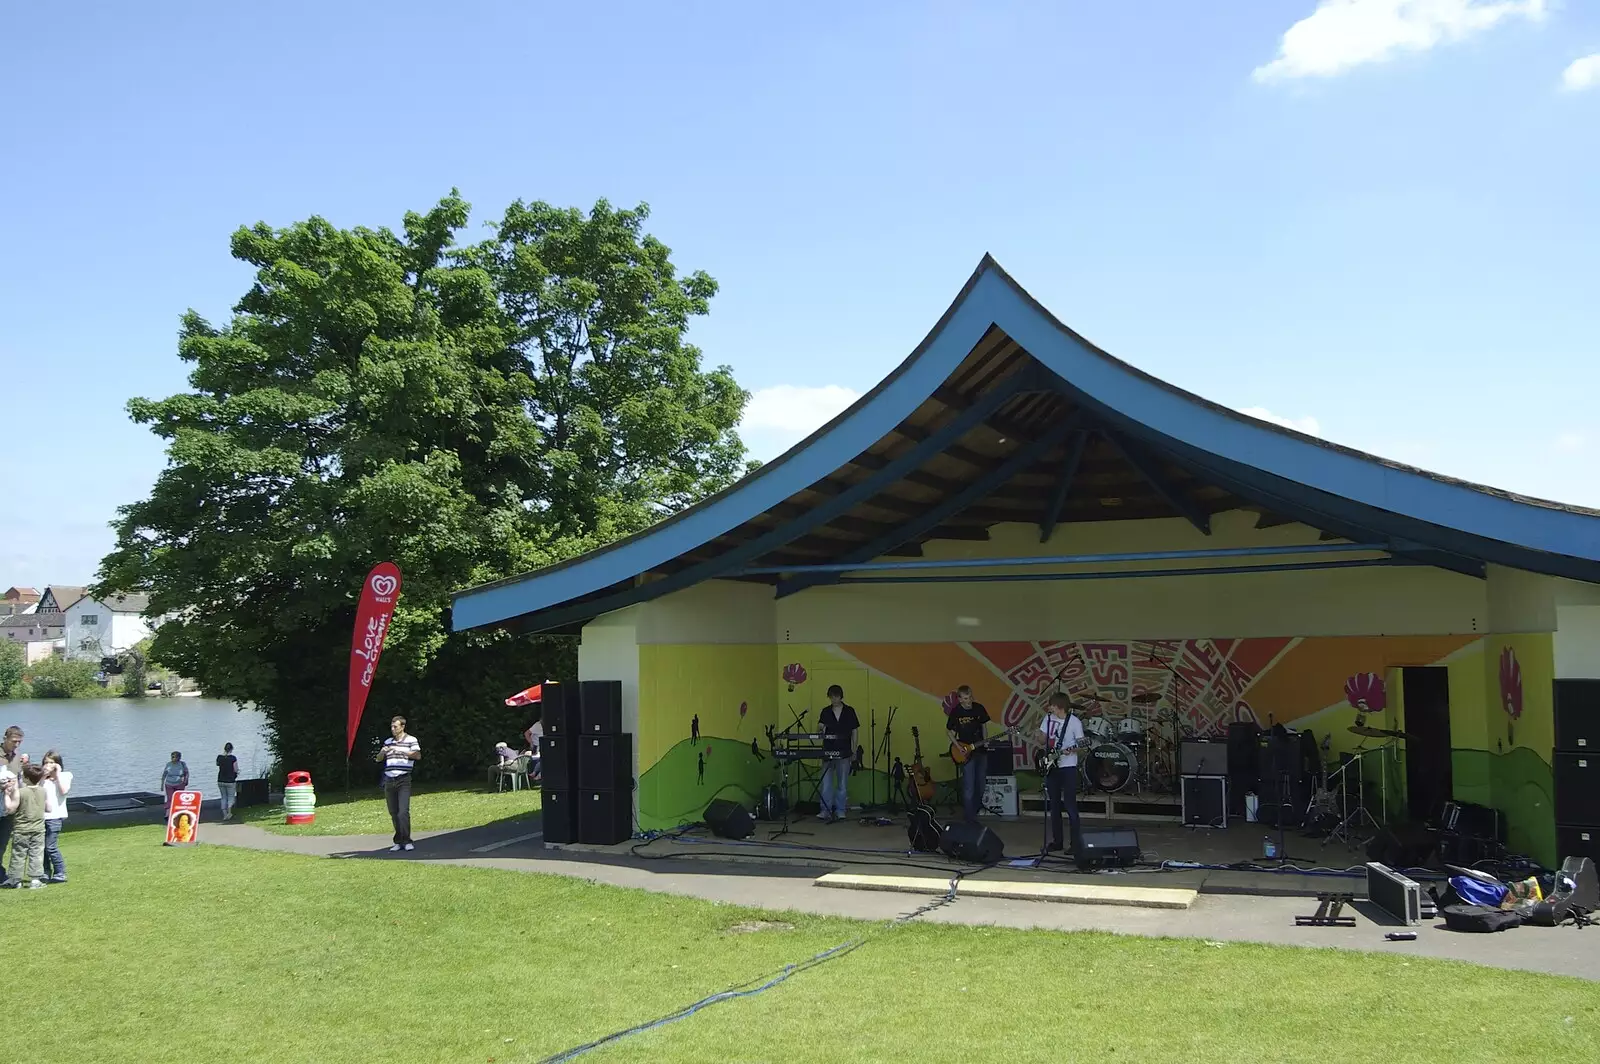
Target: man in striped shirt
x,y
399,755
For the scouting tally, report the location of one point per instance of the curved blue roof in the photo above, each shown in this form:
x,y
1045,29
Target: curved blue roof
x,y
1331,487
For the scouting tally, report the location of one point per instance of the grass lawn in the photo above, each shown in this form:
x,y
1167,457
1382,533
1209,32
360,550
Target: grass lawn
x,y
189,955
434,807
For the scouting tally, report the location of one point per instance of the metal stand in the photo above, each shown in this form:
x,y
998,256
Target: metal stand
x,y
783,772
1350,819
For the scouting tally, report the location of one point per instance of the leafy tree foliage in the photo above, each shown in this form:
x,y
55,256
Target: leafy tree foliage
x,y
59,678
11,664
468,413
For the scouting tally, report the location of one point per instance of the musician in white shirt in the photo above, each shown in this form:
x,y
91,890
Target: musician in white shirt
x,y
1063,734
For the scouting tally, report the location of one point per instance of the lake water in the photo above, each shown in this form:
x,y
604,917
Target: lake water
x,y
116,744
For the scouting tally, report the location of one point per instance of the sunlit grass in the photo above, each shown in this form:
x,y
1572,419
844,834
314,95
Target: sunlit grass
x,y
441,807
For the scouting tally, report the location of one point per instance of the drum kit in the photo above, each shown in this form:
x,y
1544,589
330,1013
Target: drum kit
x,y
1129,754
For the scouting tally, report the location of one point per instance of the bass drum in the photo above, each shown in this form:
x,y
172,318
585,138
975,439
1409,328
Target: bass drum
x,y
1110,767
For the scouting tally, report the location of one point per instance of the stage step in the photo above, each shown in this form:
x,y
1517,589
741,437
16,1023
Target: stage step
x,y
1120,806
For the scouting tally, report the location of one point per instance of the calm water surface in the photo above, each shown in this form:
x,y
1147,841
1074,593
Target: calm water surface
x,y
114,744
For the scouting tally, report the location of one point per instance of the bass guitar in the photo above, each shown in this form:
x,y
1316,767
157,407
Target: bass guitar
x,y
921,778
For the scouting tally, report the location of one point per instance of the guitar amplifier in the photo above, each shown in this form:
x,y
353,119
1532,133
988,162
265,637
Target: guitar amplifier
x,y
1202,757
1395,894
1205,801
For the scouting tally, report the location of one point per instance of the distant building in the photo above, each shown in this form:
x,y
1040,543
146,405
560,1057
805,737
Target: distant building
x,y
18,600
57,597
39,635
101,628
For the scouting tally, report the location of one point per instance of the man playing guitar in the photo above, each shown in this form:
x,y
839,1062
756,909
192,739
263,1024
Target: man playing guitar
x,y
965,725
1063,735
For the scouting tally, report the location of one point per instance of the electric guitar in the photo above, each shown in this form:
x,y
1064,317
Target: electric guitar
x,y
921,778
961,752
1051,758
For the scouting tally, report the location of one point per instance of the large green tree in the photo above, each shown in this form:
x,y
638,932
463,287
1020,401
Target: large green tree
x,y
468,413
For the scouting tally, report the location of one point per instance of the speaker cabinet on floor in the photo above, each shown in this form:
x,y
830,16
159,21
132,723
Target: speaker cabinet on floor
x,y
605,818
971,842
1577,779
558,815
555,710
1578,842
605,762
1108,847
558,761
1205,801
600,704
729,820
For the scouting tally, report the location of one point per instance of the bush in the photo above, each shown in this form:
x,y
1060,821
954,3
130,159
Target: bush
x,y
59,678
11,665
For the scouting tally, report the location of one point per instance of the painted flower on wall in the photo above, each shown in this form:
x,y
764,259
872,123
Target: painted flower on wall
x,y
744,707
794,674
1365,693
1510,683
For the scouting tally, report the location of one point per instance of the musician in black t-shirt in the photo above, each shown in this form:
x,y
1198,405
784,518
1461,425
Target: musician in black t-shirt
x,y
966,725
839,724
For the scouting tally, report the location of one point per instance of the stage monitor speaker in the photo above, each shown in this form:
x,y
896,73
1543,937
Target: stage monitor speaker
x,y
1108,846
555,711
729,820
1578,842
605,818
1471,819
600,706
1577,712
558,761
558,815
1202,757
972,842
1577,779
1205,801
605,762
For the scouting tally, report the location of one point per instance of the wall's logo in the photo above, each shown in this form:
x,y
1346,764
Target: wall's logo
x,y
383,586
1510,683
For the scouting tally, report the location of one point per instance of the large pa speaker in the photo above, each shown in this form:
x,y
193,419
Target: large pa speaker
x,y
558,761
971,842
1577,712
605,818
1577,779
555,710
1108,846
600,706
558,815
605,762
730,820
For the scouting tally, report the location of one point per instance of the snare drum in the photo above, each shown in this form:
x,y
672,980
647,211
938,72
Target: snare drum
x,y
1130,730
1097,728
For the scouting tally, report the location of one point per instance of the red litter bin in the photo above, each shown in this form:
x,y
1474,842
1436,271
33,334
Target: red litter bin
x,y
299,799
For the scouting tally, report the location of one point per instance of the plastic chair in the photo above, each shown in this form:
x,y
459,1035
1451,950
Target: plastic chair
x,y
516,771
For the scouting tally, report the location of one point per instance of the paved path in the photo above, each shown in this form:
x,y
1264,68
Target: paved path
x,y
515,846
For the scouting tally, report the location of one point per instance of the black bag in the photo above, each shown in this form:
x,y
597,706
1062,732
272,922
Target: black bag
x,y
1480,918
1573,896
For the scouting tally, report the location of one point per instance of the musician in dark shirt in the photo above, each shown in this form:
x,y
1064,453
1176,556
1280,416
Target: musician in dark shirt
x,y
839,724
966,725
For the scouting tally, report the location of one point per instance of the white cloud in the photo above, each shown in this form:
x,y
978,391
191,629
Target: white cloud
x,y
779,417
1582,73
1307,425
1570,441
1341,34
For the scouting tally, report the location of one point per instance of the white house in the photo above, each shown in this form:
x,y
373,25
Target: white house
x,y
98,629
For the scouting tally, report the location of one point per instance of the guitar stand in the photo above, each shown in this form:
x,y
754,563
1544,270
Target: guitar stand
x,y
1327,915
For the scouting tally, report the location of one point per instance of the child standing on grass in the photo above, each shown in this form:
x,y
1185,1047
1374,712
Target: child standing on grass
x,y
57,782
25,798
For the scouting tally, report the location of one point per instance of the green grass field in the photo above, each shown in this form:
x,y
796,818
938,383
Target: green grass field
x,y
188,955
440,807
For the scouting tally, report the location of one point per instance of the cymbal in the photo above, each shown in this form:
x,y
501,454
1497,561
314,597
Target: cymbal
x,y
1378,733
1145,698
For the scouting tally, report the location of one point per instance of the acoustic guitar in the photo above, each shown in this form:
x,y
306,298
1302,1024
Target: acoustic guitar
x,y
921,778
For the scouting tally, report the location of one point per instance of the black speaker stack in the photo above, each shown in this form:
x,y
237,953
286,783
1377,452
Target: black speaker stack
x,y
1576,764
586,761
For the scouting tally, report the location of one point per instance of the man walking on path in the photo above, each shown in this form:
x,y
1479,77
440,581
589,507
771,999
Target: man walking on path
x,y
11,761
399,755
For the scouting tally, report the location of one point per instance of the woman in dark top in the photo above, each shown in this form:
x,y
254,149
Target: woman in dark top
x,y
227,779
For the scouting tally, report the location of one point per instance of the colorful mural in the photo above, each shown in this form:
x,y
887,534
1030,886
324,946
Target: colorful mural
x,y
705,710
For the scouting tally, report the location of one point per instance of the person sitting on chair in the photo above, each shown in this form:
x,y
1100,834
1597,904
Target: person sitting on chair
x,y
505,753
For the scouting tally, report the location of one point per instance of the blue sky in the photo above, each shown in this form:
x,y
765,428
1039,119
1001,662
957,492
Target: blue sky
x,y
1375,218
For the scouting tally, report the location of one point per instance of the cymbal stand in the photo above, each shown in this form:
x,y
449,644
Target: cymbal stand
x,y
1350,819
783,770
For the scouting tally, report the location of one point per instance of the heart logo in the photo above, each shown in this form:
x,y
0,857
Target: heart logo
x,y
383,585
